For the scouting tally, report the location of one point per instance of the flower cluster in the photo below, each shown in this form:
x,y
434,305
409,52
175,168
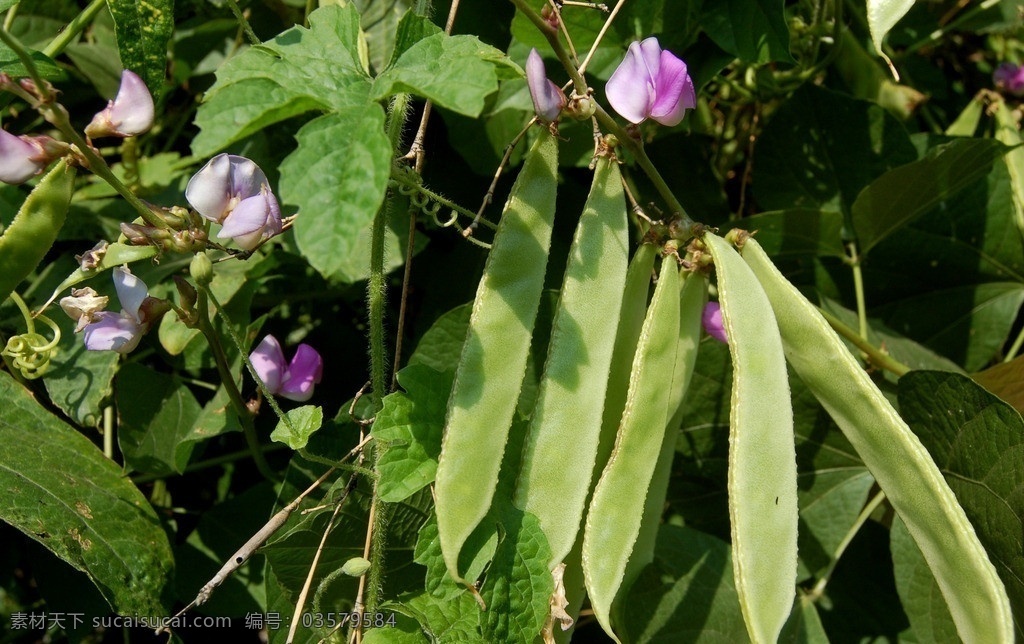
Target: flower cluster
x,y
109,331
292,380
232,191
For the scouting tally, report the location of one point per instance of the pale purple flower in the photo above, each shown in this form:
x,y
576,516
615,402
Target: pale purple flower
x,y
294,380
1009,77
21,157
129,114
232,191
548,98
651,83
711,318
122,331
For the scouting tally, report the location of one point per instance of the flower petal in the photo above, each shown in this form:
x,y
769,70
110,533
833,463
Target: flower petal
x,y
253,220
711,318
18,159
548,98
268,361
674,92
630,89
305,370
207,190
131,291
113,332
131,113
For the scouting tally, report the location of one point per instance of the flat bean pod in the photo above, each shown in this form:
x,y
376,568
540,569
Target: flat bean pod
x,y
899,462
34,229
493,362
692,297
616,509
561,447
762,452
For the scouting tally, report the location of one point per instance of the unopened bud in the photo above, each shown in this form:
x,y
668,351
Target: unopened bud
x,y
201,269
355,567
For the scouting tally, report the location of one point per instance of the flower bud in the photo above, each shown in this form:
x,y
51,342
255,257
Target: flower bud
x,y
201,269
355,567
129,114
548,98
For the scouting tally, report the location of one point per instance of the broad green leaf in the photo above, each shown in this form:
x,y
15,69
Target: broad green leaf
x,y
804,625
337,177
883,16
59,489
444,610
410,30
440,346
919,593
688,594
46,66
753,30
297,426
821,148
907,192
977,441
797,232
518,586
143,30
383,22
456,72
156,415
301,70
411,422
79,381
405,631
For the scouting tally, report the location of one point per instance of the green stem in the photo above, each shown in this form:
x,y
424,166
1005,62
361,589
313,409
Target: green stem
x,y
241,409
1012,353
876,357
249,33
862,518
945,29
74,28
858,288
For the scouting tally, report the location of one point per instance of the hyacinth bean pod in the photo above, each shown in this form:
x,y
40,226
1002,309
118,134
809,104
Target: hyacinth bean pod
x,y
896,458
631,321
491,368
692,297
34,229
616,509
762,452
561,447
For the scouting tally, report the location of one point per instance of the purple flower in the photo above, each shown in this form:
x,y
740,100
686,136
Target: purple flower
x,y
712,320
1010,78
232,191
293,380
548,98
651,83
23,157
129,114
122,331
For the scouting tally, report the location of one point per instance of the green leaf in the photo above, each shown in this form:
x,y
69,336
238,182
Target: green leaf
x,y
300,70
337,176
11,65
143,30
883,16
456,72
59,489
977,441
687,594
297,426
753,30
410,30
412,422
822,148
79,381
157,413
804,625
905,193
518,586
919,593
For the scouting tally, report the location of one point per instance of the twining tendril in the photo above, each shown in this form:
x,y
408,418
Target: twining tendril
x,y
31,352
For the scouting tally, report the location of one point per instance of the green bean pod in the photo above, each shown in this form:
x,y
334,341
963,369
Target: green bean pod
x,y
34,229
895,456
762,451
616,509
692,298
561,447
490,373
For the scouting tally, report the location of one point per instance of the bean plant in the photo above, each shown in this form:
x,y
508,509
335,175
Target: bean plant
x,y
534,321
